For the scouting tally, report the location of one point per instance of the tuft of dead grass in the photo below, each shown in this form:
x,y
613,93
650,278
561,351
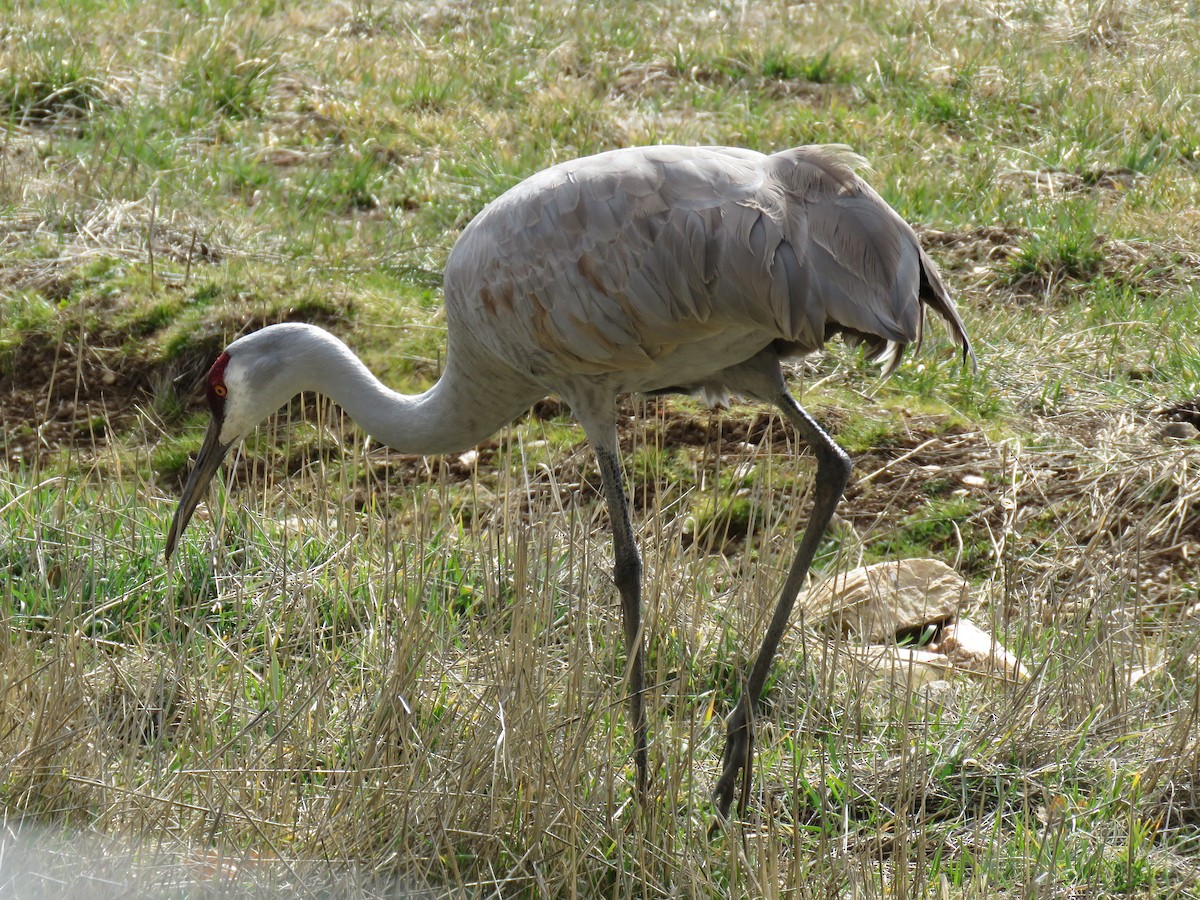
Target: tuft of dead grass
x,y
387,673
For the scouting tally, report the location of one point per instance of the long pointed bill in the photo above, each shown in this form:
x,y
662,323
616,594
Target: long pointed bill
x,y
207,463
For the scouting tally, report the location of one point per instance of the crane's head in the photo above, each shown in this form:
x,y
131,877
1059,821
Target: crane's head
x,y
252,378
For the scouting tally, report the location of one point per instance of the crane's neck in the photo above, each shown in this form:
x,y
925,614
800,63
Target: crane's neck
x,y
470,402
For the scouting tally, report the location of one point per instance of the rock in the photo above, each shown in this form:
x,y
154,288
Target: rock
x,y
969,648
878,603
882,606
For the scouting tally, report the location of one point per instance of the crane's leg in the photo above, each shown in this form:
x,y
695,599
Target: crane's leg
x,y
627,573
833,472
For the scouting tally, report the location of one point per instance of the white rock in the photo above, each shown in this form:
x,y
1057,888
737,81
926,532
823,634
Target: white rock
x,y
971,649
876,603
875,606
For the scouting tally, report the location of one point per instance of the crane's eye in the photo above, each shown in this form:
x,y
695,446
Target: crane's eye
x,y
220,390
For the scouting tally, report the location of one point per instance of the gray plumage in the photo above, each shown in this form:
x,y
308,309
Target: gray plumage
x,y
647,266
640,270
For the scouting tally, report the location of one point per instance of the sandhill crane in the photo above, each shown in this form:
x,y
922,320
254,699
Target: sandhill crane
x,y
651,270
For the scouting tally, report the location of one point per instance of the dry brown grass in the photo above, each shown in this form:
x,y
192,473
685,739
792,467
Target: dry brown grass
x,y
376,675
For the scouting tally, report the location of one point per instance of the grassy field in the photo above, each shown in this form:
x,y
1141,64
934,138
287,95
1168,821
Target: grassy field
x,y
370,674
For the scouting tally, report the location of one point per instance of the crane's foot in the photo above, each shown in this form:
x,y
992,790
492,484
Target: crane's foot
x,y
738,758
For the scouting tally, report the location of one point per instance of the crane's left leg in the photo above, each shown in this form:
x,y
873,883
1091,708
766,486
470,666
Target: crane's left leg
x,y
627,572
833,472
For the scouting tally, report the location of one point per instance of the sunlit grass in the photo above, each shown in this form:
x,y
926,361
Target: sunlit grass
x,y
410,670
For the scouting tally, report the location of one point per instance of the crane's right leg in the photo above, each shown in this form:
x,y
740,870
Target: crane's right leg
x,y
833,472
627,572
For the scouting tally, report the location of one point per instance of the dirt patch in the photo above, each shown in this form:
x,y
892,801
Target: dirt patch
x,y
1016,265
1187,411
975,245
663,425
70,395
1062,181
77,381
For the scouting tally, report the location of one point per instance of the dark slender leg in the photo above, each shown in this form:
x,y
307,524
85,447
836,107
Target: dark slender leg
x,y
627,572
833,472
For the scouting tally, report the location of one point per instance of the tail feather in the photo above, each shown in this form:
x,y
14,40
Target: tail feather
x,y
934,295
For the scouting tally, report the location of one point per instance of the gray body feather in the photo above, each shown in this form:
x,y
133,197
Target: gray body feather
x,y
656,267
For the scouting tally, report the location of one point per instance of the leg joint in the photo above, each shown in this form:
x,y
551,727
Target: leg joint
x,y
838,461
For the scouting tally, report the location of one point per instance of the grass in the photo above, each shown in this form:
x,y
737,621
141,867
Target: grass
x,y
367,674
